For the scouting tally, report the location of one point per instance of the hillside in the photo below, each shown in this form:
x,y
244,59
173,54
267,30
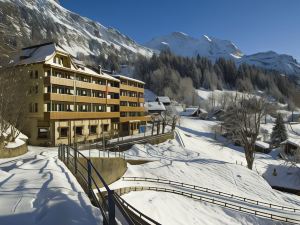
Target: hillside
x,y
27,22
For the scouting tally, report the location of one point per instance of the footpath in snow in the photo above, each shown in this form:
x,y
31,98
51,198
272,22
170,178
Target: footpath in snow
x,y
37,188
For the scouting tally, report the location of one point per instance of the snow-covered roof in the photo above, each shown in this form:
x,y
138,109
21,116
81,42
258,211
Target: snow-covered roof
x,y
128,78
262,144
155,106
292,141
38,53
44,52
163,99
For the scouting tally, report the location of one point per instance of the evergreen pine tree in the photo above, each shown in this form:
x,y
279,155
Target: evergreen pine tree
x,y
279,133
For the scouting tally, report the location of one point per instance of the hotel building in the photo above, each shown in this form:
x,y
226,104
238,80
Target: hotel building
x,y
70,102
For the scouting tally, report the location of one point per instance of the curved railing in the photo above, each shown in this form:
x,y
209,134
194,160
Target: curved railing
x,y
84,170
211,191
221,203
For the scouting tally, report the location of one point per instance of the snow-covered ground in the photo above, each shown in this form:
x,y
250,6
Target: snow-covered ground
x,y
37,188
205,162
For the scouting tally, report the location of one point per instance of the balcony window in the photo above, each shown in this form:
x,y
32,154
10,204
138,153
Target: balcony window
x,y
43,132
79,131
105,127
93,129
63,132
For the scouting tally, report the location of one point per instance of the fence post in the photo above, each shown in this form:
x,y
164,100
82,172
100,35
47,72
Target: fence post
x,y
111,208
68,155
75,159
59,152
63,151
89,167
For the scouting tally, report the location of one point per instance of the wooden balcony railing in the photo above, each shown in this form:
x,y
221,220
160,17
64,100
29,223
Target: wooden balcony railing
x,y
59,97
133,118
132,99
80,115
131,88
131,109
59,81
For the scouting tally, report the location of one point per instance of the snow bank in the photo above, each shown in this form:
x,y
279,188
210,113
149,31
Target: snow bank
x,y
41,190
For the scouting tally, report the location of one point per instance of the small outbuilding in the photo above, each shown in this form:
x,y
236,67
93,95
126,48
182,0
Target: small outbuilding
x,y
201,113
263,147
290,146
163,99
155,107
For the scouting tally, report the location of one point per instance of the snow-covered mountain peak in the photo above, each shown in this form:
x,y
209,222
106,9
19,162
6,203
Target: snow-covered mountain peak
x,y
182,44
39,21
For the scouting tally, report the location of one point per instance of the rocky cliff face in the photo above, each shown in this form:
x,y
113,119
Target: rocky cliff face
x,y
29,22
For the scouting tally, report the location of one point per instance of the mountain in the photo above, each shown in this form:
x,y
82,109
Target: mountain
x,y
182,44
274,61
213,48
28,22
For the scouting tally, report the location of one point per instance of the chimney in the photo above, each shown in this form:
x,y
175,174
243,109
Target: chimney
x,y
100,69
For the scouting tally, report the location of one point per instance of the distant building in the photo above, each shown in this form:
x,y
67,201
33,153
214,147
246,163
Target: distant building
x,y
155,107
163,99
290,146
70,102
201,113
263,147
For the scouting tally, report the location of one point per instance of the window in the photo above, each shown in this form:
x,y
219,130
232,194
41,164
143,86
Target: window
x,y
105,127
93,129
78,130
36,74
33,107
31,74
36,89
43,132
64,132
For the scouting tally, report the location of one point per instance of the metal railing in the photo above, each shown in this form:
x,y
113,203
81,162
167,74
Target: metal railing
x,y
90,179
115,146
212,201
211,191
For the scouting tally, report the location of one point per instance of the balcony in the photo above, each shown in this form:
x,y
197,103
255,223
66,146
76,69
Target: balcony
x,y
134,118
86,85
131,88
59,97
131,109
88,99
59,81
132,99
80,115
111,101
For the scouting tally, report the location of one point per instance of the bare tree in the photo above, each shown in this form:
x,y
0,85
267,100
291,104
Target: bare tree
x,y
242,123
13,101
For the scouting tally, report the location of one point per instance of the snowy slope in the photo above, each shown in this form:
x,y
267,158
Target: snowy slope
x,y
38,189
29,22
213,48
209,163
185,45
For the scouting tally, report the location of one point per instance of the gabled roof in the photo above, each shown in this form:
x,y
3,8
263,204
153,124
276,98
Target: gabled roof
x,y
155,106
44,52
292,141
39,53
163,99
262,144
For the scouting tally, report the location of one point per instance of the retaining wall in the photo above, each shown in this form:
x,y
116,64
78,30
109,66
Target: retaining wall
x,y
13,152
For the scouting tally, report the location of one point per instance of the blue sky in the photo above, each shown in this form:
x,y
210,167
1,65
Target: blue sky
x,y
253,25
